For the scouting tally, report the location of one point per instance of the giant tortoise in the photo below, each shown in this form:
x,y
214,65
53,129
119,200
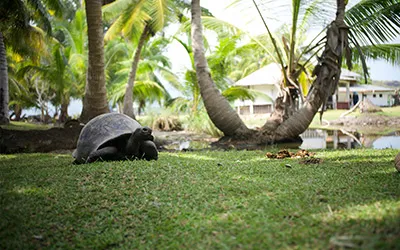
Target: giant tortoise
x,y
113,137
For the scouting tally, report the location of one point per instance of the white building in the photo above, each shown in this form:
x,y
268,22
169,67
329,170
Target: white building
x,y
378,95
267,81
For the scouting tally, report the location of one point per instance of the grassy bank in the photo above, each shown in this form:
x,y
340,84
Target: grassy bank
x,y
26,126
206,200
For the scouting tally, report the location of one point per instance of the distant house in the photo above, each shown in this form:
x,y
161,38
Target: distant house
x,y
349,92
267,80
378,95
342,99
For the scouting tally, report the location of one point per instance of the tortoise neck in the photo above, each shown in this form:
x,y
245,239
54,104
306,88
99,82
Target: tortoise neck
x,y
132,146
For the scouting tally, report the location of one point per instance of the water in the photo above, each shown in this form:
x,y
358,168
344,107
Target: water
x,y
325,139
314,139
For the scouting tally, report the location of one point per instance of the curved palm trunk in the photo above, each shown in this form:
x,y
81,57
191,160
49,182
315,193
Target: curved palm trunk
x,y
328,74
282,128
95,100
128,98
3,83
218,108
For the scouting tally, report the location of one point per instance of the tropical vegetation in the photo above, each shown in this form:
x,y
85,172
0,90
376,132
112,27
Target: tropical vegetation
x,y
129,67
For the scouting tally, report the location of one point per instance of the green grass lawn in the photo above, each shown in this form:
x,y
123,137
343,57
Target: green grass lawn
x,y
201,200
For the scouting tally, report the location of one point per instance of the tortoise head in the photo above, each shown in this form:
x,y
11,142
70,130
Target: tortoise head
x,y
143,134
140,144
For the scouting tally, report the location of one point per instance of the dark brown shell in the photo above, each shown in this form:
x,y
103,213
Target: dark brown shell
x,y
100,130
397,162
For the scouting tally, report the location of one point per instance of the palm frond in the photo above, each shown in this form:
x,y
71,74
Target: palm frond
x,y
150,90
388,52
114,9
237,93
42,13
56,6
158,11
220,26
374,21
130,23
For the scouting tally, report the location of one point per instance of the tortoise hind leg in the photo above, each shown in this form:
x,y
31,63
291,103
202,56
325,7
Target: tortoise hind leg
x,y
104,154
148,151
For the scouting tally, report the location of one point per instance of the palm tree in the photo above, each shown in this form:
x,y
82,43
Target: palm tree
x,y
95,99
218,108
291,125
296,59
152,66
72,40
57,74
73,36
140,20
20,87
222,63
327,72
62,67
17,32
3,83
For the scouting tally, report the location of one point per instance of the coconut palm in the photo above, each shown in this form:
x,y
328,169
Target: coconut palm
x,y
291,125
327,72
153,67
72,34
21,92
296,58
17,32
4,97
57,74
139,21
64,67
222,61
95,99
218,108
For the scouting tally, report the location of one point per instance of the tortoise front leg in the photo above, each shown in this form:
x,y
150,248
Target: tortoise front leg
x,y
104,154
148,151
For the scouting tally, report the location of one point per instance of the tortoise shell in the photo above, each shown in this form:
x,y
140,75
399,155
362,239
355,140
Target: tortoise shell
x,y
102,129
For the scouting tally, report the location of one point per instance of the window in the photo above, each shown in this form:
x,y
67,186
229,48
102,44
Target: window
x,y
262,109
380,95
374,95
244,110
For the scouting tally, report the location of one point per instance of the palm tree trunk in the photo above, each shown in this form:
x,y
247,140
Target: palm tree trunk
x,y
128,98
17,112
95,100
3,83
327,72
218,108
64,109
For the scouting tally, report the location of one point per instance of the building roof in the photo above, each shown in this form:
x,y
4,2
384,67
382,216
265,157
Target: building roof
x,y
271,74
347,75
366,89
